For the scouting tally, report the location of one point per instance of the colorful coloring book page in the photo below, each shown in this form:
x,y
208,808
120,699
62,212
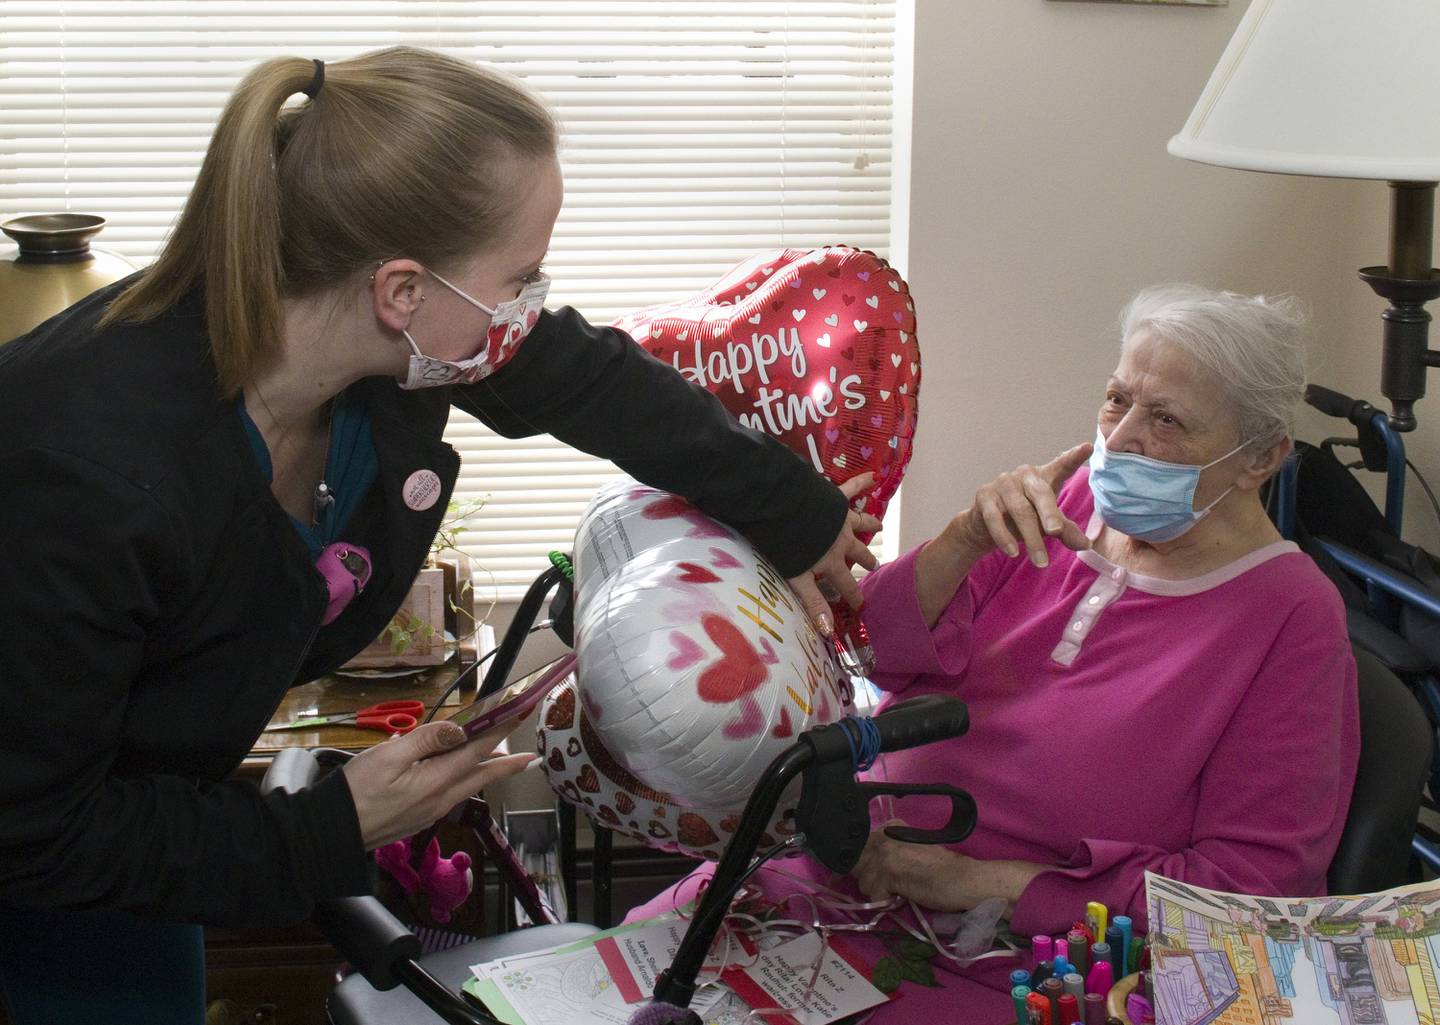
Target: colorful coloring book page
x,y
1228,959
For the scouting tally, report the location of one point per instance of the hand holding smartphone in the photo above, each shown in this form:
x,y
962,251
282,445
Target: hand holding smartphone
x,y
514,702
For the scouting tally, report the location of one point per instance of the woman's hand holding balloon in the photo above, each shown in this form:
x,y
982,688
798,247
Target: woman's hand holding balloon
x,y
833,569
1015,509
403,785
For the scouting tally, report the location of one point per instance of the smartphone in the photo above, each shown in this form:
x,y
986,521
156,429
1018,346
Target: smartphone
x,y
513,703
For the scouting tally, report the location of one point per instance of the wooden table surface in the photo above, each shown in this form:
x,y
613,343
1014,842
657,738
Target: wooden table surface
x,y
337,694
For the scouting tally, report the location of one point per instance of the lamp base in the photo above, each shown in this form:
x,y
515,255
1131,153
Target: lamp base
x,y
1406,355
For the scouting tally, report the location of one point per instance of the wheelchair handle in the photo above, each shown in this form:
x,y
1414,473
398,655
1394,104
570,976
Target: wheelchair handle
x,y
922,720
1341,406
830,798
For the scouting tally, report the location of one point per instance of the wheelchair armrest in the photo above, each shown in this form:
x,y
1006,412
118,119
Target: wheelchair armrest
x,y
364,931
292,770
1398,654
368,936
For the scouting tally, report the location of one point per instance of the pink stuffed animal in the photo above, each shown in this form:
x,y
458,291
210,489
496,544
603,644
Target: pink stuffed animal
x,y
444,882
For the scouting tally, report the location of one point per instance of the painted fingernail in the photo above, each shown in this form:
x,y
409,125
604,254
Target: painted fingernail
x,y
822,623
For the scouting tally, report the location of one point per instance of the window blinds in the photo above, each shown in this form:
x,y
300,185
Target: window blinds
x,y
695,134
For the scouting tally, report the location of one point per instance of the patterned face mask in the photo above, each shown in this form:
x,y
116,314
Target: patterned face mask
x,y
510,322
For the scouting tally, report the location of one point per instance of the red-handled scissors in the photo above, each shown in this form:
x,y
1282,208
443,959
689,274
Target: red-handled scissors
x,y
390,716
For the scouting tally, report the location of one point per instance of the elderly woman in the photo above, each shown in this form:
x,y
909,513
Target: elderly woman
x,y
1157,681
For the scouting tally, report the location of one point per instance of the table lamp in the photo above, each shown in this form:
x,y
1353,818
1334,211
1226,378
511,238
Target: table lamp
x,y
1342,89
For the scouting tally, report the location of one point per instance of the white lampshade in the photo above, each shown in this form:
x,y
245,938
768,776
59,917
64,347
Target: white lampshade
x,y
1338,88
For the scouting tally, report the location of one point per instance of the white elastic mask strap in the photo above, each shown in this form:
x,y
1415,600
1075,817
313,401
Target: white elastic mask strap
x,y
1231,488
1202,512
462,294
1227,455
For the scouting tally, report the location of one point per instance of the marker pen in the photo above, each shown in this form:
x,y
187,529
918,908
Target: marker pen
x,y
1062,948
1042,948
1126,965
1020,977
1079,950
1070,1010
1042,971
1094,1009
1061,967
1053,991
1074,985
1115,938
1138,960
1098,953
1018,995
1101,977
1095,914
1037,1008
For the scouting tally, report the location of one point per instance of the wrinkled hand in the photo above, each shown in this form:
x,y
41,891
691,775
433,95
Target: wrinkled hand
x,y
833,569
889,868
1018,508
408,782
936,877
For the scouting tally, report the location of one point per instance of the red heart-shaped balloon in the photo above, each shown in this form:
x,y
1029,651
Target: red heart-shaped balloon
x,y
815,347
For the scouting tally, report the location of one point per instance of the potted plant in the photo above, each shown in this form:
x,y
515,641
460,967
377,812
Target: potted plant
x,y
440,608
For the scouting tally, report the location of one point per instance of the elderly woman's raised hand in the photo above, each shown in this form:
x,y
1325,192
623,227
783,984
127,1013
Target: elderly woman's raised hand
x,y
1016,508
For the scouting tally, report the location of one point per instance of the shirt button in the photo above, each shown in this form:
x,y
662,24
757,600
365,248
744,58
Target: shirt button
x,y
1078,626
1094,599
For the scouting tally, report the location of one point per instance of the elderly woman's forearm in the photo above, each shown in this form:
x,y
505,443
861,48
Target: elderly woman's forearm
x,y
940,569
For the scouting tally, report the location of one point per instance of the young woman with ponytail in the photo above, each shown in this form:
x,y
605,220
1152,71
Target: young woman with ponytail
x,y
181,452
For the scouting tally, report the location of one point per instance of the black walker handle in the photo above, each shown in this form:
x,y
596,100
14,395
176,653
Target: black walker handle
x,y
831,800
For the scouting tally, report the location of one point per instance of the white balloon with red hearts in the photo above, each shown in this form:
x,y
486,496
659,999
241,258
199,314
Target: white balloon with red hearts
x,y
696,662
584,773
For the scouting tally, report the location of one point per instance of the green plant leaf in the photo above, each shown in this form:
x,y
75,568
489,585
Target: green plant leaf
x,y
887,975
918,972
912,949
399,638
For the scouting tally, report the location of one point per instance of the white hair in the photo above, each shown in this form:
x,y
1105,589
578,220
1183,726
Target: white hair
x,y
1250,343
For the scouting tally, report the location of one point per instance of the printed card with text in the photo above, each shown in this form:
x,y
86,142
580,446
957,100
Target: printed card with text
x,y
781,978
637,957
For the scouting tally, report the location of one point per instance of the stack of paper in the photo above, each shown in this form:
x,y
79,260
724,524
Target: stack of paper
x,y
603,979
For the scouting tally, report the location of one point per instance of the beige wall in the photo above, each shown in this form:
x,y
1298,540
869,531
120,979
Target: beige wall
x,y
1042,197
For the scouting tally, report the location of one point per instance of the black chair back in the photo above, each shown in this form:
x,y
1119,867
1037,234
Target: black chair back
x,y
1395,751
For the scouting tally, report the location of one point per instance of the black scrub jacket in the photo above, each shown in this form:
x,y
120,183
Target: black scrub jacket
x,y
155,601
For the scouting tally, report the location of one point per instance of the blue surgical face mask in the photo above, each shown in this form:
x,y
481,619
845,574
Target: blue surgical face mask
x,y
1147,499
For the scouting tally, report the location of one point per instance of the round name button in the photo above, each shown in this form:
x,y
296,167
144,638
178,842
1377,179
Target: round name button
x,y
421,490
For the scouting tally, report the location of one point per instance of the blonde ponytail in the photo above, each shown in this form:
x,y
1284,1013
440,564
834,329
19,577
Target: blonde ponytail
x,y
400,153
